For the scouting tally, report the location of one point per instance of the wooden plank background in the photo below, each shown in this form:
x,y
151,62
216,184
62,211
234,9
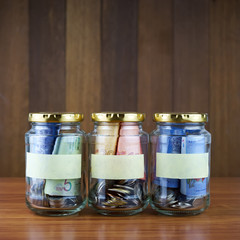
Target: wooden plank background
x,y
122,55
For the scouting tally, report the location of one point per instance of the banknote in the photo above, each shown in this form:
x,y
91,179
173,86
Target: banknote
x,y
193,188
129,142
65,144
118,139
105,144
106,140
126,193
42,142
68,144
62,187
168,144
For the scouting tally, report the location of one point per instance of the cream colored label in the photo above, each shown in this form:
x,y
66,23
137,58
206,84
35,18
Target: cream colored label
x,y
50,166
117,166
182,166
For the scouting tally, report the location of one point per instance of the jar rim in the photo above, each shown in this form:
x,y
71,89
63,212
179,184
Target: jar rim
x,y
55,117
178,117
118,117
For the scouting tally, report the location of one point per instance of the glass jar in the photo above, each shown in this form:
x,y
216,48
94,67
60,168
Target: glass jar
x,y
118,164
180,174
55,164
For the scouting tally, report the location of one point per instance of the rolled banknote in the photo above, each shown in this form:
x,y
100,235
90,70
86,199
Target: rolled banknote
x,y
193,188
129,141
127,193
106,141
55,189
105,144
44,138
42,142
168,144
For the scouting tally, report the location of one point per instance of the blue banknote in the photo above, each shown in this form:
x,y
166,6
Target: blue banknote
x,y
193,188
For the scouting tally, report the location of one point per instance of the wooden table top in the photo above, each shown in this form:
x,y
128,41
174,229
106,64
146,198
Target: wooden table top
x,y
220,221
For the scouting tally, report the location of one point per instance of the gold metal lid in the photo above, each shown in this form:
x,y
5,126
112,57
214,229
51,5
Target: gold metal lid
x,y
118,117
55,117
181,117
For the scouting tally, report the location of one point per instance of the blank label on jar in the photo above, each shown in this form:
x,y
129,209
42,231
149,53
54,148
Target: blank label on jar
x,y
117,167
50,166
182,166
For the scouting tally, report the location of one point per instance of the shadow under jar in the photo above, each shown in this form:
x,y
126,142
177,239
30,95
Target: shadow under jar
x,y
55,164
118,164
180,174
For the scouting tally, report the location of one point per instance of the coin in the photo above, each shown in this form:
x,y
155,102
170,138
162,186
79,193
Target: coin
x,y
181,205
62,202
118,193
198,202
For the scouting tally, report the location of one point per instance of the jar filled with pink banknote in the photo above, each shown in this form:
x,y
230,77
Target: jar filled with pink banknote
x,y
118,163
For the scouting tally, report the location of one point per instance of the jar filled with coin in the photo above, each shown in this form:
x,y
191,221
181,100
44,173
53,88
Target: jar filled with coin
x,y
55,164
118,163
180,174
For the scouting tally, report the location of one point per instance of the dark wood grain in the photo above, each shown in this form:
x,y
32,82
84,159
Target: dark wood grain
x,y
225,86
119,55
13,85
83,80
47,55
220,221
191,67
155,56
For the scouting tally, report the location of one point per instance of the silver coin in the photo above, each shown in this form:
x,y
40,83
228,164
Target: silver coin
x,y
181,205
120,190
169,197
123,186
172,202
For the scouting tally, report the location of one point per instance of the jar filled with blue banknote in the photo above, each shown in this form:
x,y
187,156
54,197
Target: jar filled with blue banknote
x,y
180,172
55,164
118,163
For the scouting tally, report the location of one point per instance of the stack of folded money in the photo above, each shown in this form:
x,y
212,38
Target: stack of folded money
x,y
118,139
169,193
53,193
